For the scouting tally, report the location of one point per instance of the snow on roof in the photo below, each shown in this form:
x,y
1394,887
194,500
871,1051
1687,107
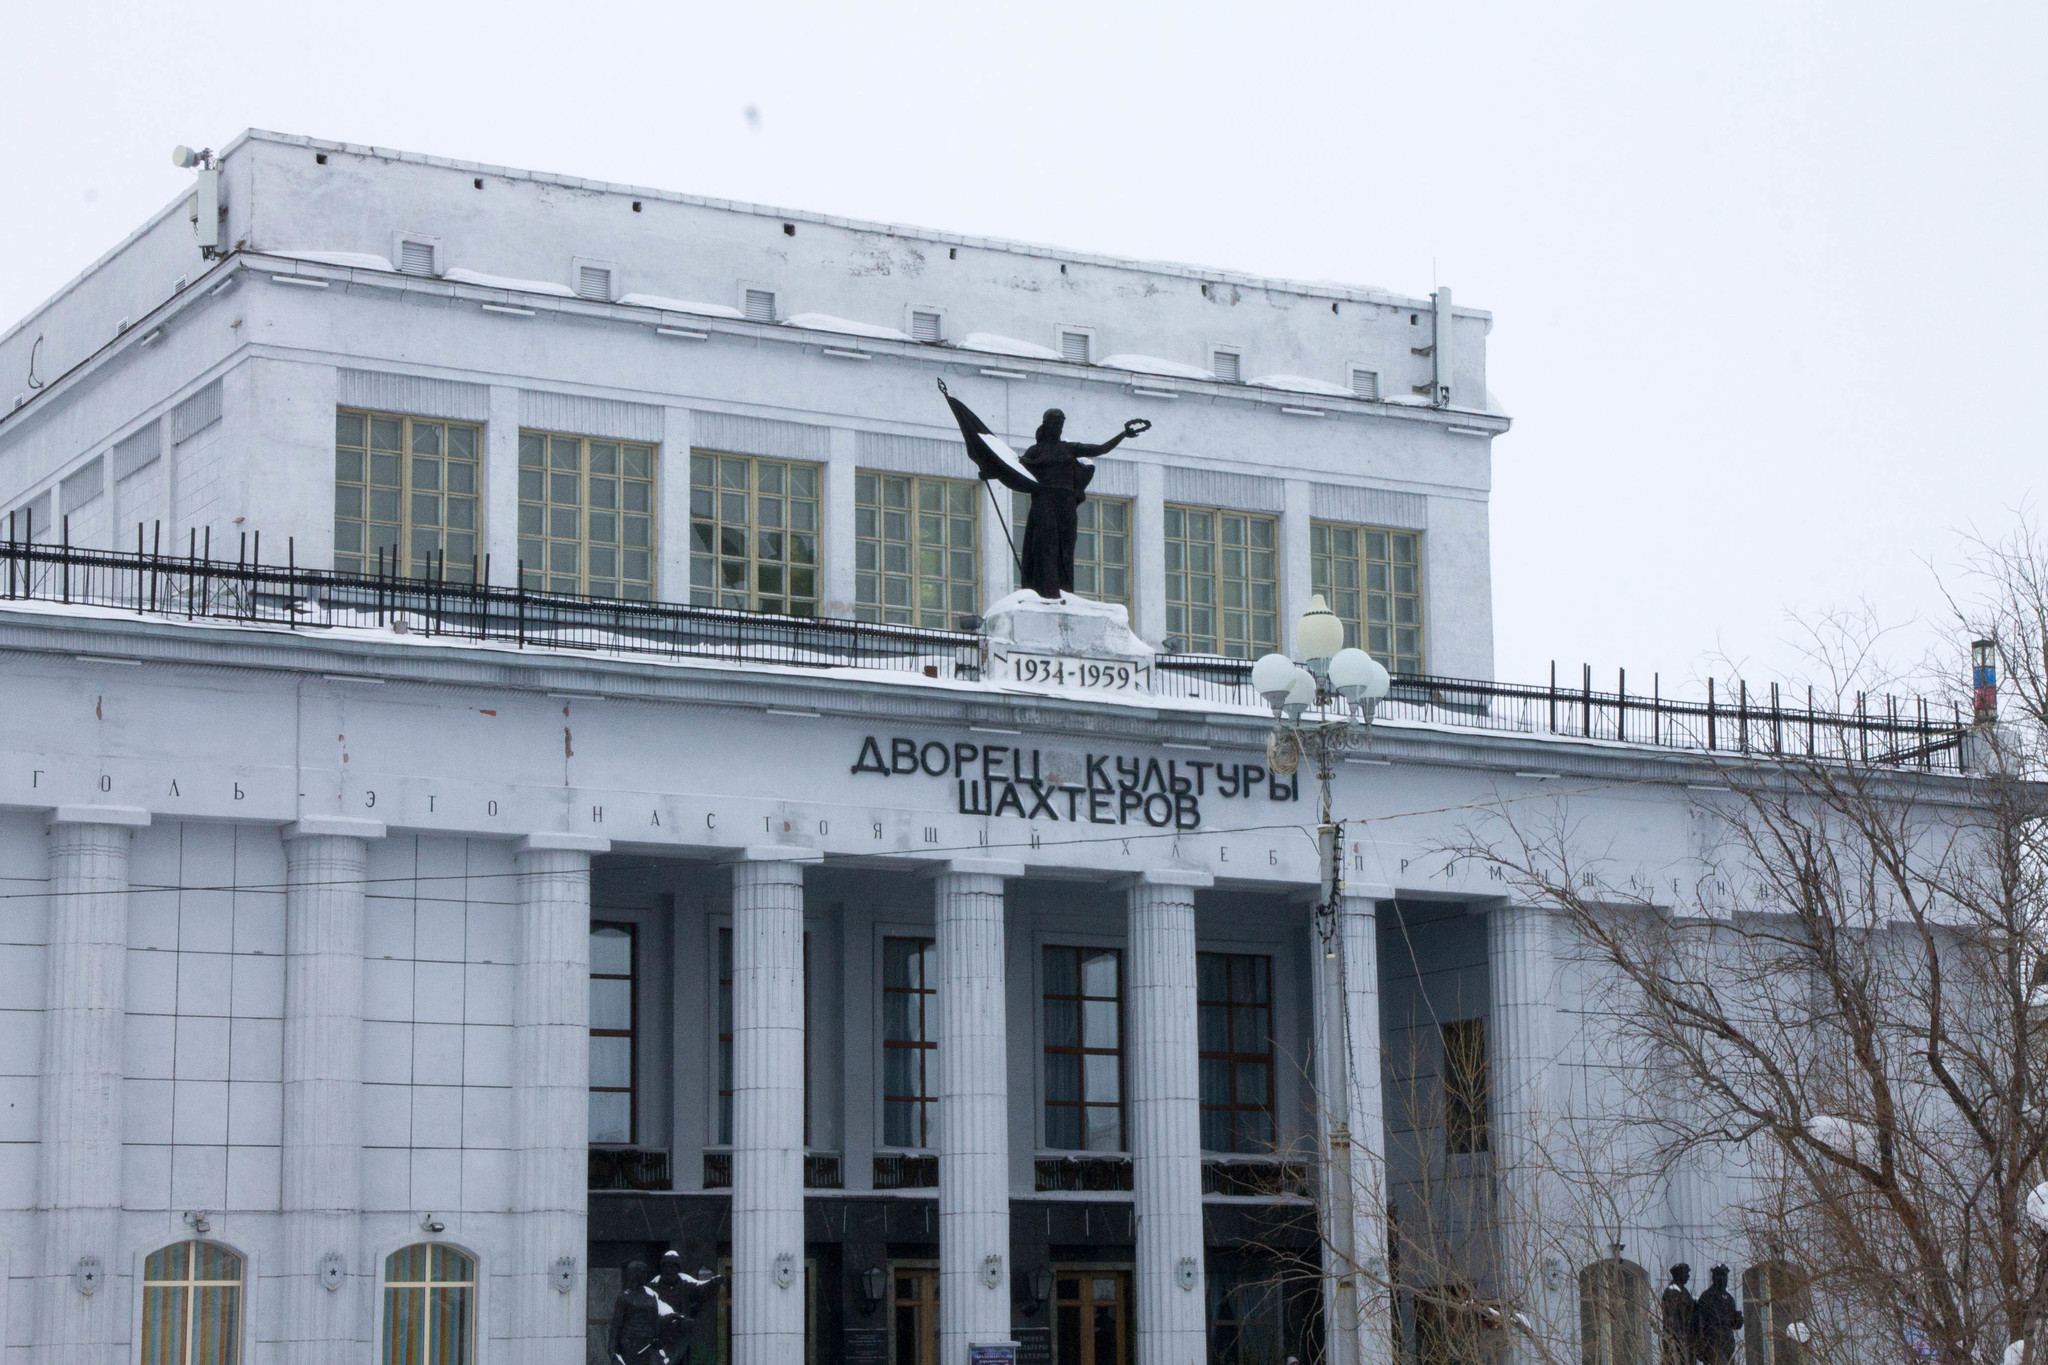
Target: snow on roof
x,y
1297,383
1002,345
1409,400
477,277
357,259
667,305
825,322
1152,364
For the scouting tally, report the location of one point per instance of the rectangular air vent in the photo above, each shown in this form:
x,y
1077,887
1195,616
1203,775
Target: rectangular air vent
x,y
1074,347
1227,365
1365,383
924,326
594,282
416,258
760,305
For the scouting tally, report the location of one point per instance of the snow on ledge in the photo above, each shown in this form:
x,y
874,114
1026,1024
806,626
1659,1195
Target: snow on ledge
x,y
992,344
477,277
357,260
666,305
1152,364
825,322
1297,383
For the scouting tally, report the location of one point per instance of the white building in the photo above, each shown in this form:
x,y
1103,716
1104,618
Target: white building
x,y
339,963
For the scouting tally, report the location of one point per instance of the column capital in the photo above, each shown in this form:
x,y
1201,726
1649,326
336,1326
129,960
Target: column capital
x,y
1368,891
133,817
555,842
1174,876
340,826
977,867
773,853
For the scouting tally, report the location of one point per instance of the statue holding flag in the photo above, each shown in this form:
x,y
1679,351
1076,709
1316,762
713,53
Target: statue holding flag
x,y
1055,473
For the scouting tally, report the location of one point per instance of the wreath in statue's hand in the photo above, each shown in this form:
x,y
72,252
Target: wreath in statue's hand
x,y
1137,426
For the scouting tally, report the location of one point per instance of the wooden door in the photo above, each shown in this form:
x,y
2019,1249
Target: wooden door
x,y
1092,1316
914,1315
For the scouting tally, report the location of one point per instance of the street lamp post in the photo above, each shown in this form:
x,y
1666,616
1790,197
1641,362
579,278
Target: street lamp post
x,y
1323,709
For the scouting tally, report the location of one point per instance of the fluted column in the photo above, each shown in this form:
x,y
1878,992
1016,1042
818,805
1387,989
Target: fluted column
x,y
1519,965
1166,1118
326,872
1348,1077
550,1088
768,1106
974,1108
79,1157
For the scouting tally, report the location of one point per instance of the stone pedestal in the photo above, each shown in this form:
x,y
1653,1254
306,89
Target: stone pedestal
x,y
1074,626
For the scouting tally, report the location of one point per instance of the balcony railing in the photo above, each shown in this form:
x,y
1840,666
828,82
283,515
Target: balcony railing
x,y
1888,731
628,1168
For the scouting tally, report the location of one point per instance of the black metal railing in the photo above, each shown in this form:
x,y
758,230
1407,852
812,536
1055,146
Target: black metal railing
x,y
1255,1179
1080,1174
628,1168
905,1171
1896,732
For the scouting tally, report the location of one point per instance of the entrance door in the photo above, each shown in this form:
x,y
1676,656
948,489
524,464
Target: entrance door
x,y
914,1315
1093,1316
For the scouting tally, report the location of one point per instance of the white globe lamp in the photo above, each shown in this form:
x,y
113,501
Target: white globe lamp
x,y
1272,677
1319,634
1358,677
1301,695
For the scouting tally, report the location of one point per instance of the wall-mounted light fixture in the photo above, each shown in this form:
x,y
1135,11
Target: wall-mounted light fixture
x,y
874,1283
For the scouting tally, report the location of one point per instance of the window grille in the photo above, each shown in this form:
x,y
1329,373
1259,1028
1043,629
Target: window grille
x,y
753,534
1102,545
1372,579
416,258
1227,365
407,487
612,1030
1222,589
429,1306
192,1305
917,555
1234,1002
1365,383
1084,1057
586,515
910,972
1074,347
924,326
594,282
760,305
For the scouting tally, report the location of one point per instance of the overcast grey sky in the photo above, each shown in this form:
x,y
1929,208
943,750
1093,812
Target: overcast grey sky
x,y
1768,280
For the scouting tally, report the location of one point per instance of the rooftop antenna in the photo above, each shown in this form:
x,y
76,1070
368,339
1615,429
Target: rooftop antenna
x,y
206,206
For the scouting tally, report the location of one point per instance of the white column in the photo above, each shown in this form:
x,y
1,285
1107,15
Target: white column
x,y
1518,960
1148,558
1353,985
501,485
768,1105
974,1108
550,1085
1166,1118
672,520
326,876
79,1136
1296,569
836,544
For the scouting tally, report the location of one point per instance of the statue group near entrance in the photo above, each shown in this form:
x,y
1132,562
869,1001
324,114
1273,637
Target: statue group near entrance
x,y
653,1319
1699,1331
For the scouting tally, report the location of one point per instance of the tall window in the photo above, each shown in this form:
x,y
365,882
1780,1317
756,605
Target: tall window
x,y
407,487
1465,1086
1102,549
611,1033
910,973
1234,994
1084,1058
429,1306
1372,580
586,515
192,1305
753,534
917,549
1222,589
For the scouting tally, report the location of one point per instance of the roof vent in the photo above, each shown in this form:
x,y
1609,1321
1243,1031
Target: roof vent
x,y
594,282
1074,347
760,305
924,326
1227,365
1365,383
416,258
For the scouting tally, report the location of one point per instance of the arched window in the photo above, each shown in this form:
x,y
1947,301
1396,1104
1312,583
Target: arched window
x,y
429,1306
1614,1313
192,1305
1775,1307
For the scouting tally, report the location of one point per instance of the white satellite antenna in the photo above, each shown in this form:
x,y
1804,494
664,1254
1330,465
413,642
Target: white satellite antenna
x,y
205,195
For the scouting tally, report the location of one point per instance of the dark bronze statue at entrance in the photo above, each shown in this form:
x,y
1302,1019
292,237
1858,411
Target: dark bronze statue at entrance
x,y
1055,473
